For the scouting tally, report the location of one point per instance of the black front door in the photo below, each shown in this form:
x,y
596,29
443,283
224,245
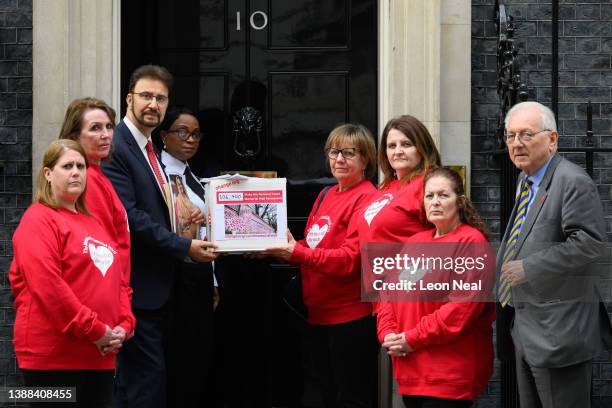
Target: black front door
x,y
303,66
269,79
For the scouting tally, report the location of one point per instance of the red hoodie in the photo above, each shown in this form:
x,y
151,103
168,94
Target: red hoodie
x,y
329,258
67,282
452,342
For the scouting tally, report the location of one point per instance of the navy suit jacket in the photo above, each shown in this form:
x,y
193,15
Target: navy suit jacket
x,y
156,250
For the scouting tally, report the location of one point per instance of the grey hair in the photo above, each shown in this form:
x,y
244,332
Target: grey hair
x,y
547,117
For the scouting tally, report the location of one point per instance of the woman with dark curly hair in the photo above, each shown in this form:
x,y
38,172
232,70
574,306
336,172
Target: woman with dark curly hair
x,y
442,351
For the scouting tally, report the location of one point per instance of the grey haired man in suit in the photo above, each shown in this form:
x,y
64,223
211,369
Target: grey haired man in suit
x,y
549,260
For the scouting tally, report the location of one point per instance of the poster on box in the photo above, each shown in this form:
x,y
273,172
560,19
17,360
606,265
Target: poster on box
x,y
247,214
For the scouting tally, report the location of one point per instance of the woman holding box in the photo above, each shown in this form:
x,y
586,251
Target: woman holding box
x,y
190,357
341,336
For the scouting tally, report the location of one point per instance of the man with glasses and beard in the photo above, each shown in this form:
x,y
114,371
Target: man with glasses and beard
x,y
142,186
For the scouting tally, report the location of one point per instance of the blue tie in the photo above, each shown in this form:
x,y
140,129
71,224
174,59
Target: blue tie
x,y
503,292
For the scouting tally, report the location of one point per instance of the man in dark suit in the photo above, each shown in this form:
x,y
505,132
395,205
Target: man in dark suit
x,y
142,186
549,264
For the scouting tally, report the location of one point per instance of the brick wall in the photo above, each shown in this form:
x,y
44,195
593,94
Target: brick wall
x,y
15,154
585,71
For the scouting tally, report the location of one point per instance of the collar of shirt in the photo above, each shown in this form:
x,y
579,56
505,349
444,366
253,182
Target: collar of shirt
x,y
538,175
172,164
140,138
536,178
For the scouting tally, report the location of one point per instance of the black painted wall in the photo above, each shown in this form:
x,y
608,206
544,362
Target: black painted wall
x,y
15,155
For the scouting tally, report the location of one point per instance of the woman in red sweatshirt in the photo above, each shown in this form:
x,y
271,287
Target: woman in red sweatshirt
x,y
405,154
342,333
442,350
91,122
67,279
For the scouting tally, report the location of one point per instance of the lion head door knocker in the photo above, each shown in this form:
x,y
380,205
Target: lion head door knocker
x,y
248,129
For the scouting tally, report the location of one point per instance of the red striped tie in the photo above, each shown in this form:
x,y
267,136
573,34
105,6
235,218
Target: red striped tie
x,y
154,164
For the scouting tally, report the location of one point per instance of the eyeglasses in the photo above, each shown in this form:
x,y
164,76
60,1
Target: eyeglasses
x,y
148,97
523,136
347,153
183,134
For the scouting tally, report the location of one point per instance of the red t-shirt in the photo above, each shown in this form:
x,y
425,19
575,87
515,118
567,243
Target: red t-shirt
x,y
452,342
67,282
329,258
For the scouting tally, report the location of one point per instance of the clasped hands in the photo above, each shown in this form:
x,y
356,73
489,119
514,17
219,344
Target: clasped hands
x,y
395,344
112,340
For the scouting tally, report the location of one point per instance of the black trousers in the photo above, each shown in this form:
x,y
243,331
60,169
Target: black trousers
x,y
190,348
141,362
344,362
412,401
94,388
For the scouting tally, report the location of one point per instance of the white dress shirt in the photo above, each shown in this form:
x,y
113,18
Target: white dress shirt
x,y
176,166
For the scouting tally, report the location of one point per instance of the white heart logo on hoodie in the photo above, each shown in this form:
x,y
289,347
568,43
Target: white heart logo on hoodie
x,y
316,235
375,208
102,257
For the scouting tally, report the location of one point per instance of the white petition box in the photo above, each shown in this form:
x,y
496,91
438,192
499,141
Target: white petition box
x,y
246,214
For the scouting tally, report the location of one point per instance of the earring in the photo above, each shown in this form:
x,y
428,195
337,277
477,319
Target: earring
x,y
164,142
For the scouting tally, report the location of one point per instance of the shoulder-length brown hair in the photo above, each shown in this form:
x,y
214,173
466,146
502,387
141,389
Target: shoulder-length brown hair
x,y
467,212
44,192
73,119
418,134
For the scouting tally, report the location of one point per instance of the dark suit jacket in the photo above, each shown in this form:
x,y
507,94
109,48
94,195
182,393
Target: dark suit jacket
x,y
559,318
156,250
